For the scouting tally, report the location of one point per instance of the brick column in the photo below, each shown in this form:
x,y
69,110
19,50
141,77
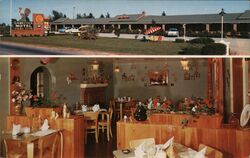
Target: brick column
x,y
129,27
207,27
235,27
163,27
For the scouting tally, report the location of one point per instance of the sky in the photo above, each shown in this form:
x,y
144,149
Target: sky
x,y
116,7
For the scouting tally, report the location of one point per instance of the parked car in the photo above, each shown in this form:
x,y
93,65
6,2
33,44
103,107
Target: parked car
x,y
62,30
173,32
72,30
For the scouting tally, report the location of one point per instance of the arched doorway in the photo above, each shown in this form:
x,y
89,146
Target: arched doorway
x,y
40,82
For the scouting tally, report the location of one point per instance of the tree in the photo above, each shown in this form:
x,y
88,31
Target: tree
x,y
13,21
107,15
57,15
102,16
79,16
163,13
91,16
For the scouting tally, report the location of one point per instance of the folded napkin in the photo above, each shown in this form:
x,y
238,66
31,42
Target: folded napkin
x,y
16,129
160,154
45,125
84,108
150,104
187,154
96,108
139,152
193,154
43,133
201,153
168,143
170,152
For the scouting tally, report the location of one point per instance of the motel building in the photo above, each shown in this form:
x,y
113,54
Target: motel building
x,y
233,22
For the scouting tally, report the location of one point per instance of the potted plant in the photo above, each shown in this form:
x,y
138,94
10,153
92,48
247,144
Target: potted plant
x,y
19,95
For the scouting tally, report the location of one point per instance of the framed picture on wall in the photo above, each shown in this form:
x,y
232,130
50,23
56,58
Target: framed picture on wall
x,y
158,78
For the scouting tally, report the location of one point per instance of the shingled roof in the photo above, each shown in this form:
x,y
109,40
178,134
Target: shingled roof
x,y
169,19
127,18
245,15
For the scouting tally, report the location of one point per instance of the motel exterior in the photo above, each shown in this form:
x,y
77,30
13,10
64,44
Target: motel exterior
x,y
238,22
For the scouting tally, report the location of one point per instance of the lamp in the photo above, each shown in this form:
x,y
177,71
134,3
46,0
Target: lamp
x,y
117,69
222,13
95,65
184,64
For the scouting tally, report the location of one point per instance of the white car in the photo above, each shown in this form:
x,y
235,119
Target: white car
x,y
72,30
173,32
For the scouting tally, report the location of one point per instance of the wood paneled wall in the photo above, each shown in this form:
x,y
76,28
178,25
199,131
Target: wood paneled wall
x,y
237,86
232,142
73,132
203,121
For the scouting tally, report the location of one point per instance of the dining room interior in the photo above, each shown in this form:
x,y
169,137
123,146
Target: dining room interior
x,y
124,107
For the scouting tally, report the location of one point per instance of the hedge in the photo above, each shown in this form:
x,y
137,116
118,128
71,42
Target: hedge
x,y
179,40
202,40
191,51
214,49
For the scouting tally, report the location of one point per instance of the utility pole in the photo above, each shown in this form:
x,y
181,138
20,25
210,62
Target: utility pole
x,y
184,34
74,12
10,16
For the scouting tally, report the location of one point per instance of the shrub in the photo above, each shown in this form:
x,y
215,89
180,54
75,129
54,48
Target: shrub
x,y
191,51
214,49
244,34
179,40
117,32
202,40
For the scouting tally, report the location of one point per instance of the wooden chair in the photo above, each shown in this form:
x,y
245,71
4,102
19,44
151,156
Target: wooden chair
x,y
211,152
128,106
105,122
48,146
148,142
91,122
14,149
116,109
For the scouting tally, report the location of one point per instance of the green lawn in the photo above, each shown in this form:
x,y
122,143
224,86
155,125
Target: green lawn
x,y
128,46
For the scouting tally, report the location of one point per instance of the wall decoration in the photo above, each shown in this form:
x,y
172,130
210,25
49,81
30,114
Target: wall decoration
x,y
192,72
70,78
45,61
126,77
158,77
15,63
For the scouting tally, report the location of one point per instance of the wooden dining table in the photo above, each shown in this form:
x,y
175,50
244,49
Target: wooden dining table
x,y
179,150
31,138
